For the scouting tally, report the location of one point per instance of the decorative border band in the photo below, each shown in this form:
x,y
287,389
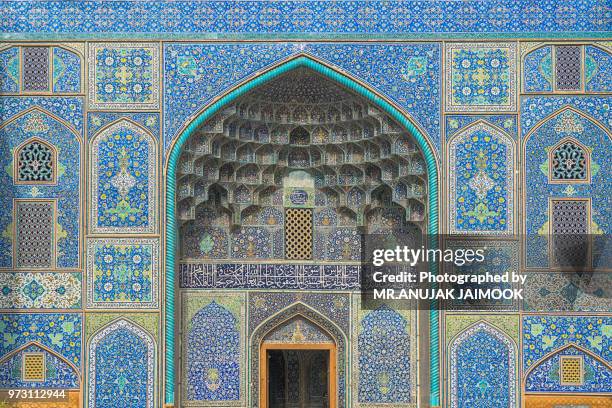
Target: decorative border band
x,y
306,18
269,276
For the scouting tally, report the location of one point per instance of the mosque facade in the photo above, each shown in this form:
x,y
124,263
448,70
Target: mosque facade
x,y
186,186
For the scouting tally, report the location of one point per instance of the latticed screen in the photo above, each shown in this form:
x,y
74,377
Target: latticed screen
x,y
35,69
571,370
569,162
568,67
33,367
298,233
34,240
570,228
35,163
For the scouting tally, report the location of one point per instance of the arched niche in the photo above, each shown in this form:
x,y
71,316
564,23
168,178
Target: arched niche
x,y
594,140
132,383
38,128
213,358
570,369
385,357
57,371
481,172
123,190
483,368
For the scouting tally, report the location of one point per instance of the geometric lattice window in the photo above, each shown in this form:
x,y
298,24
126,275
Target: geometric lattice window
x,y
569,163
34,234
35,69
570,370
33,367
569,229
35,163
568,67
298,233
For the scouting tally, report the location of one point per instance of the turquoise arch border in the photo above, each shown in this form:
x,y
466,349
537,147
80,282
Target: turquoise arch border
x,y
171,233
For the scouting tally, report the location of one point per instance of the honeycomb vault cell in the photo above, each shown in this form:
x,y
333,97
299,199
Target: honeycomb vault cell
x,y
367,171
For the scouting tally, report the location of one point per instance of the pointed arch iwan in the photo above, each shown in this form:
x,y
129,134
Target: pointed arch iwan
x,y
298,61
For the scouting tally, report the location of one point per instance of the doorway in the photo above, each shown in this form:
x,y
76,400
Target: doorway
x,y
298,375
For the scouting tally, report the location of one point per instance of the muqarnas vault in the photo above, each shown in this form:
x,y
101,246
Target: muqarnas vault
x,y
186,184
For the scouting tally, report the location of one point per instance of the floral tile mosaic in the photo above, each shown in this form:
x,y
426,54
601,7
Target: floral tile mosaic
x,y
124,76
122,273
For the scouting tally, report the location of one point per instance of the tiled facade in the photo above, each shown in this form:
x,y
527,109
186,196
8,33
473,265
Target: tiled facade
x,y
142,219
